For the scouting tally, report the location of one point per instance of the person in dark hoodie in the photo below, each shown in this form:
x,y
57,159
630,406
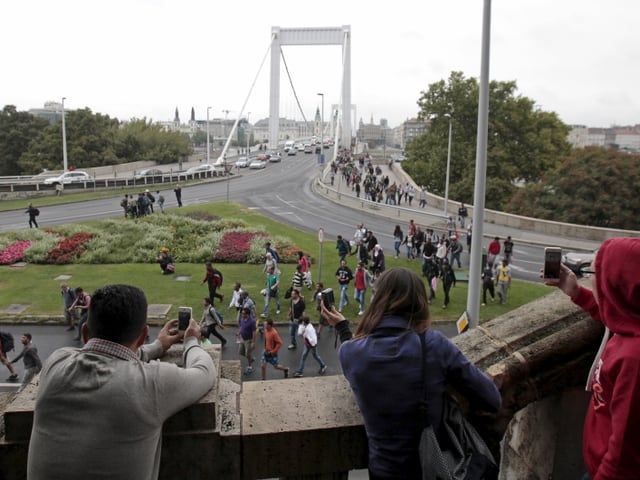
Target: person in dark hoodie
x,y
386,342
611,436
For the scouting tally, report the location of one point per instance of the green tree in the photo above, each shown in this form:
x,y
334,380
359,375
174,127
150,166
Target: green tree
x,y
140,139
592,186
523,142
17,131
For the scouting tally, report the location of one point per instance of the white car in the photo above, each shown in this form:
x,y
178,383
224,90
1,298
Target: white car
x,y
256,164
242,162
214,169
75,176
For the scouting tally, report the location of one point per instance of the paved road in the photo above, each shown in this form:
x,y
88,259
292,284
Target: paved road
x,y
48,338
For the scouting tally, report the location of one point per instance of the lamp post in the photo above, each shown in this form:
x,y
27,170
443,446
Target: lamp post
x,y
321,130
446,186
65,164
246,134
208,149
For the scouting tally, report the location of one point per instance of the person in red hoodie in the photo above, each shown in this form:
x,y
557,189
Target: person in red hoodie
x,y
611,437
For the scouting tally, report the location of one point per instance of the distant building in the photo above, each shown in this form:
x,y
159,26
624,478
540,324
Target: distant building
x,y
618,137
52,112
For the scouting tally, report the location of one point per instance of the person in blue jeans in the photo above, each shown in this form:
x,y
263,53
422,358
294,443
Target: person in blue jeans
x,y
308,332
273,282
296,312
344,276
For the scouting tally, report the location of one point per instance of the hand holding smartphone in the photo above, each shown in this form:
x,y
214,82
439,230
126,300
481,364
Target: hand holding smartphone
x,y
552,261
327,298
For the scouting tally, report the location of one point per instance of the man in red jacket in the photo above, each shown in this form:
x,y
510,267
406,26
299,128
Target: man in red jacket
x,y
611,437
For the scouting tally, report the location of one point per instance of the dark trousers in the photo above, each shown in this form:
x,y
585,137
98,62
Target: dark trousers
x,y
212,330
213,294
485,287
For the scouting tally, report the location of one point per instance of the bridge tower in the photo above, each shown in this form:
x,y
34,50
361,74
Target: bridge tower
x,y
310,36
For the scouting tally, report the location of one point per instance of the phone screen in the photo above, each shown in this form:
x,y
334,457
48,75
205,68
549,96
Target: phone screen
x,y
552,260
184,317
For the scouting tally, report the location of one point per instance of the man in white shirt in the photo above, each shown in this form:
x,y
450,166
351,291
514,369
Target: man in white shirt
x,y
308,333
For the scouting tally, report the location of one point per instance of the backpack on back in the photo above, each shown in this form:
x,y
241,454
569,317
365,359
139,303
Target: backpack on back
x,y
7,342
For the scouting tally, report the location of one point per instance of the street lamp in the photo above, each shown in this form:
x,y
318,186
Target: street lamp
x,y
65,165
246,134
321,130
446,187
208,108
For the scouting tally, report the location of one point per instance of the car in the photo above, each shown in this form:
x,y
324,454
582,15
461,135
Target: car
x,y
148,172
215,170
292,151
307,148
262,156
242,162
74,176
300,147
578,261
275,157
257,163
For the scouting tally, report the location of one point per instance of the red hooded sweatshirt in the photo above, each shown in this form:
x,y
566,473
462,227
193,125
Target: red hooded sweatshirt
x,y
611,437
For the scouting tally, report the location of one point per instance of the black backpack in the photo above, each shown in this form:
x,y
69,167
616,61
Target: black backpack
x,y
7,342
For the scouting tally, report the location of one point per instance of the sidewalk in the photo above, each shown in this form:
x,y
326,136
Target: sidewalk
x,y
432,217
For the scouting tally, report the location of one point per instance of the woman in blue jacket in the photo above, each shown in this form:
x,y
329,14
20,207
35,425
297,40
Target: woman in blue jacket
x,y
382,363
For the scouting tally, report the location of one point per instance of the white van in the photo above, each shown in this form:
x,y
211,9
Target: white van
x,y
288,145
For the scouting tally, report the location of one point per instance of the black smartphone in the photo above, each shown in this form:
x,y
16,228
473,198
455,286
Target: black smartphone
x,y
328,298
184,317
552,260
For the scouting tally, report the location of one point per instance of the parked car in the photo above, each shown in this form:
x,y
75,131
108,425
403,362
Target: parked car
x,y
257,163
577,261
75,176
148,172
242,162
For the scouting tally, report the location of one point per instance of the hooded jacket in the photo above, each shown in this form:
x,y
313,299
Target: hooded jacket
x,y
611,437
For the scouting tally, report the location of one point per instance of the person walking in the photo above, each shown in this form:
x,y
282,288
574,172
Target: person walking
x,y
271,291
213,278
160,200
247,338
210,322
362,281
68,296
448,281
178,192
507,249
308,333
272,343
504,281
297,310
30,358
6,345
81,306
344,275
33,213
398,237
487,283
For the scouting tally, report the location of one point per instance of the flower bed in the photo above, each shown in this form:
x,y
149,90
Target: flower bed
x,y
234,247
69,249
14,252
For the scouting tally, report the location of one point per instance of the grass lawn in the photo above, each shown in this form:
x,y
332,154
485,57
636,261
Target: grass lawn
x,y
36,285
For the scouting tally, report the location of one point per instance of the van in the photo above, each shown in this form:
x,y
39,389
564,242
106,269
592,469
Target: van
x,y
288,145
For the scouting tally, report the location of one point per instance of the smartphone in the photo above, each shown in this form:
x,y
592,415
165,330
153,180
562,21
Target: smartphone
x,y
552,260
184,317
328,298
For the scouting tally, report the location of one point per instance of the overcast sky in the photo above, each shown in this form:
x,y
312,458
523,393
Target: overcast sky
x,y
144,58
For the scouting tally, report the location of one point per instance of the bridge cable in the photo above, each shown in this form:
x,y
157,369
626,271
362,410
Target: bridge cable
x,y
286,67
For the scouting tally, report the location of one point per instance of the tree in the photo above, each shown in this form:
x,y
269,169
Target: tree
x,y
522,143
592,186
17,131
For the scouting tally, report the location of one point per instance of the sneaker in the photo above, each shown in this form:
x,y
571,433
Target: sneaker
x,y
263,315
483,304
298,374
70,328
286,373
277,312
248,370
322,370
292,347
224,344
360,312
14,378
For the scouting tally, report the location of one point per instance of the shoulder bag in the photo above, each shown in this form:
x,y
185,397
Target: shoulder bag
x,y
458,452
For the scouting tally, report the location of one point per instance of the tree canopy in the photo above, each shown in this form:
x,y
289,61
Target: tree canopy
x,y
592,186
523,142
29,144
